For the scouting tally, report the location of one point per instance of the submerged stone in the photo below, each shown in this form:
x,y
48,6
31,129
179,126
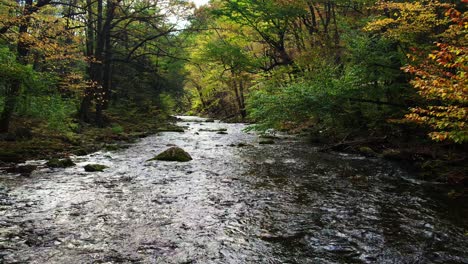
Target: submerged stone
x,y
266,142
392,154
95,167
26,169
367,151
60,163
112,147
173,154
171,129
22,169
214,130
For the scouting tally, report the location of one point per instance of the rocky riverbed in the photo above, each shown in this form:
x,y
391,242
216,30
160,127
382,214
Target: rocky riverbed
x,y
236,201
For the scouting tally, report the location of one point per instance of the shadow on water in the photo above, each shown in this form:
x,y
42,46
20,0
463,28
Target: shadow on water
x,y
247,203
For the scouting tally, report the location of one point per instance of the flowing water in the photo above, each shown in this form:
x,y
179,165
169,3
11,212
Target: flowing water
x,y
248,203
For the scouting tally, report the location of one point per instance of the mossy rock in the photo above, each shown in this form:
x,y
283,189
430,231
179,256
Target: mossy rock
x,y
81,152
392,154
95,167
112,147
26,169
214,130
22,169
173,154
60,163
172,129
266,142
264,136
367,151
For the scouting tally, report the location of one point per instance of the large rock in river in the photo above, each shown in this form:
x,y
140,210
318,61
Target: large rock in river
x,y
60,163
173,154
94,167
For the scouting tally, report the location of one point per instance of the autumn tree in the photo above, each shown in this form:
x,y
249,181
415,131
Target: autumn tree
x,y
42,42
441,79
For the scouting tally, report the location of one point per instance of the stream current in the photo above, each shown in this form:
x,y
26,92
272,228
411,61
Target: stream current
x,y
247,203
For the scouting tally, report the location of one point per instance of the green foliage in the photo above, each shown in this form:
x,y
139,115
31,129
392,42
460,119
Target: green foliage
x,y
56,110
166,103
297,104
117,129
11,70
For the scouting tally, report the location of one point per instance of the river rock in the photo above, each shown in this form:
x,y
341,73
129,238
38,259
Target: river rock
x,y
26,169
173,154
95,167
392,154
60,163
22,169
367,151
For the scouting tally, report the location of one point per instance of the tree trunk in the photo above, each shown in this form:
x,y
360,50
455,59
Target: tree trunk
x,y
23,49
85,106
107,73
243,112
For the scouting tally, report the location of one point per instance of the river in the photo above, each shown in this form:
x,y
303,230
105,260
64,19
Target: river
x,y
247,203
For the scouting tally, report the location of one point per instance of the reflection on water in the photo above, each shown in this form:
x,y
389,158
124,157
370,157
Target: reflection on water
x,y
281,203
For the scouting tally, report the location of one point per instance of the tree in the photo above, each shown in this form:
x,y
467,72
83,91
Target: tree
x,y
441,79
41,41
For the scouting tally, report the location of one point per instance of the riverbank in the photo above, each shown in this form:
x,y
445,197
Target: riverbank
x,y
429,160
39,142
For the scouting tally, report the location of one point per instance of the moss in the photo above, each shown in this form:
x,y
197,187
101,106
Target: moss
x,y
173,154
214,130
95,167
392,154
81,152
26,169
22,169
112,147
60,163
171,129
264,136
367,151
47,143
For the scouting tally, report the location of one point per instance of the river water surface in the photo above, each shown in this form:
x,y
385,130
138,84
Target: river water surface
x,y
248,203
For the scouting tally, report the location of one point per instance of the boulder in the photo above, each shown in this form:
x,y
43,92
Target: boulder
x,y
367,151
95,167
392,154
173,154
26,169
60,163
22,169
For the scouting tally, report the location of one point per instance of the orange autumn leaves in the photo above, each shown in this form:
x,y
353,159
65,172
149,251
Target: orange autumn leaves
x,y
440,76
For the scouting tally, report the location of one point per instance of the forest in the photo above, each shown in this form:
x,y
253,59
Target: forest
x,y
380,78
233,131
